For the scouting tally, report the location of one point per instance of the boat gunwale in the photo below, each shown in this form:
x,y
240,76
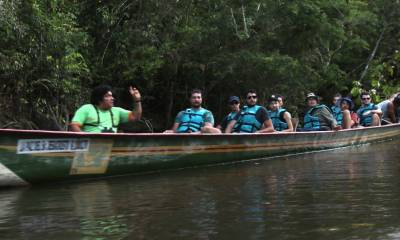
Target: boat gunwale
x,y
185,135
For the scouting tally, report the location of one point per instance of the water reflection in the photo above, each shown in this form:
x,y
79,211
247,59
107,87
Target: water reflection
x,y
348,193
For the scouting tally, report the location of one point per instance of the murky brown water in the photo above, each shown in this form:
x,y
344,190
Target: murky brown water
x,y
351,193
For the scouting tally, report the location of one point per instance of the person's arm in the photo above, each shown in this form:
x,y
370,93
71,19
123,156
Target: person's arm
x,y
288,119
327,115
177,122
267,127
79,119
137,112
262,116
377,110
75,127
346,121
230,126
391,112
175,127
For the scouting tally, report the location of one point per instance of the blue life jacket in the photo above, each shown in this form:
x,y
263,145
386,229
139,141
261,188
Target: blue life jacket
x,y
336,111
337,114
227,120
365,120
278,123
230,117
247,121
312,122
191,121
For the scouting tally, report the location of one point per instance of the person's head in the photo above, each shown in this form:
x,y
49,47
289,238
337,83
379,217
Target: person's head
x,y
196,98
251,97
336,98
102,97
273,103
346,104
365,98
312,99
280,99
234,103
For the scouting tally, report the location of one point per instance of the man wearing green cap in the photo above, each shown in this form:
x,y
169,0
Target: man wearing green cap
x,y
318,116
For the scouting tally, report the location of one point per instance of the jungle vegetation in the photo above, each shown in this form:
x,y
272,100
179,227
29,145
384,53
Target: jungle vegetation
x,y
53,52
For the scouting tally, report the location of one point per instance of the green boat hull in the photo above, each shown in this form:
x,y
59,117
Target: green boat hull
x,y
30,157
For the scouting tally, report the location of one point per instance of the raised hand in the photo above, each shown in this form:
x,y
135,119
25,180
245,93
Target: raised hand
x,y
135,94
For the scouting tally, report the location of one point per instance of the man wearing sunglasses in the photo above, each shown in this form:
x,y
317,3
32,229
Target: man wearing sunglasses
x,y
234,106
252,118
194,119
368,113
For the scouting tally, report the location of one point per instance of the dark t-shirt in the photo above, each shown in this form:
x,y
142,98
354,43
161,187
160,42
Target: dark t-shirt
x,y
261,115
224,122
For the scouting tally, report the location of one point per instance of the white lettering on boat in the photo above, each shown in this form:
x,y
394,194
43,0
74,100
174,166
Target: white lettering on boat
x,y
26,146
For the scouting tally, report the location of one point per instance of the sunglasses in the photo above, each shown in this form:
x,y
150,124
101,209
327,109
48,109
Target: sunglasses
x,y
253,96
368,98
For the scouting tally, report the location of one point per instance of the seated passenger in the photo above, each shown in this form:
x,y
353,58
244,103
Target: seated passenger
x,y
194,119
252,118
281,119
335,108
396,106
368,113
234,106
390,109
101,115
347,118
318,116
280,100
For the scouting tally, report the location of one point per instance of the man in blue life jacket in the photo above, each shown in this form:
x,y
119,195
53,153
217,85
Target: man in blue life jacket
x,y
252,118
318,116
234,106
390,109
194,119
101,115
281,119
335,108
368,113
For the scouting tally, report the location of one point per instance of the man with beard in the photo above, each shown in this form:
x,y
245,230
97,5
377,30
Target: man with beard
x,y
194,119
101,115
252,118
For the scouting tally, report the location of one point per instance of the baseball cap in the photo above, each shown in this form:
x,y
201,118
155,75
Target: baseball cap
x,y
273,98
311,95
233,99
348,100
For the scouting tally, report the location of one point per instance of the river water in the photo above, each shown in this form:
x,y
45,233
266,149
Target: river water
x,y
349,193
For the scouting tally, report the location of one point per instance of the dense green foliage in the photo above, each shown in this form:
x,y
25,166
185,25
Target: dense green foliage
x,y
54,51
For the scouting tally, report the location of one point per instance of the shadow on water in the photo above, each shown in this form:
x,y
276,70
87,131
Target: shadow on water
x,y
350,193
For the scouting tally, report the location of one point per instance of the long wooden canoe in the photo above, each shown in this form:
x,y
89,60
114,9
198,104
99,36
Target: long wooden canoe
x,y
30,157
